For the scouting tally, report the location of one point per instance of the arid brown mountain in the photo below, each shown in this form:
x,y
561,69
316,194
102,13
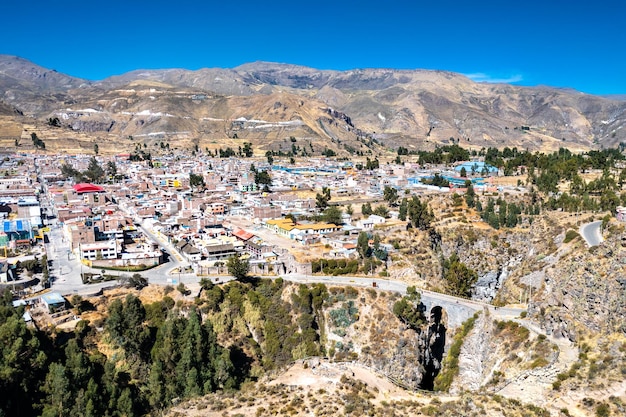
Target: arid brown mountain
x,y
346,111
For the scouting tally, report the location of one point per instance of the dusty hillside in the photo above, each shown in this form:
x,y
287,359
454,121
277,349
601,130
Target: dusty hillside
x,y
153,113
349,112
327,389
550,358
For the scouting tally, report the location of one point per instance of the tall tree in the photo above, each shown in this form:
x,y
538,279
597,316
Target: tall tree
x,y
22,359
322,199
111,170
459,277
402,211
262,178
238,267
390,195
59,394
196,181
332,215
419,213
94,172
470,194
363,246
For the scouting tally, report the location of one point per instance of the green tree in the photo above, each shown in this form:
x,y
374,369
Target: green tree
x,y
390,195
402,211
372,164
470,194
459,278
37,142
137,281
247,149
409,310
54,122
94,172
238,267
332,215
381,211
366,209
111,170
125,325
363,246
321,200
69,171
419,213
262,178
58,393
22,359
196,181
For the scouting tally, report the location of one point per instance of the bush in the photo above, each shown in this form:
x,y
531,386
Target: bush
x,y
603,410
570,235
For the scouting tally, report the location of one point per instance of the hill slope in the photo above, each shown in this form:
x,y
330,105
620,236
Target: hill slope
x,y
341,110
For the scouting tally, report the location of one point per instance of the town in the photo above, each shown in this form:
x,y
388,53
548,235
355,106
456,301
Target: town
x,y
94,219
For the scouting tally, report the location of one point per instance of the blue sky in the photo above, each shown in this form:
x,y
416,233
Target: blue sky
x,y
572,44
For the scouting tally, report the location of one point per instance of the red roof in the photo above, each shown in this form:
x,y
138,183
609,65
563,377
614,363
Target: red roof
x,y
243,235
87,188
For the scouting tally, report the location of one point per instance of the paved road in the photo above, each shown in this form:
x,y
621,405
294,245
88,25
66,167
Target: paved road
x,y
591,233
66,269
458,309
164,274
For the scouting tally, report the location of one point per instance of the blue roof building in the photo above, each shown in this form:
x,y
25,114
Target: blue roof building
x,y
477,168
17,229
53,301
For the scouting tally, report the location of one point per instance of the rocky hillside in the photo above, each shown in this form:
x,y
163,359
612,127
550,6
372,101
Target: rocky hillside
x,y
367,110
328,390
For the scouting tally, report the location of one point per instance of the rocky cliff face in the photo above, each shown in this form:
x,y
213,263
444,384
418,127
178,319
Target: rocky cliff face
x,y
375,337
586,292
570,289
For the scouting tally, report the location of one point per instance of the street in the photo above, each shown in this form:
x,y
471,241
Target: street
x,y
591,233
66,269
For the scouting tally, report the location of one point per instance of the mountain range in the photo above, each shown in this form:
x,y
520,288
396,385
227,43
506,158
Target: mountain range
x,y
365,110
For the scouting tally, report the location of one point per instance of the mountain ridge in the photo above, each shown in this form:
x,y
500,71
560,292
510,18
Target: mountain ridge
x,y
417,109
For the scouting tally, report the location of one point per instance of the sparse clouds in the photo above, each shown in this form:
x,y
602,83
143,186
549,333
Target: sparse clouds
x,y
481,77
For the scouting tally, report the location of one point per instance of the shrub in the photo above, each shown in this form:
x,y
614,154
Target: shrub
x,y
570,235
603,410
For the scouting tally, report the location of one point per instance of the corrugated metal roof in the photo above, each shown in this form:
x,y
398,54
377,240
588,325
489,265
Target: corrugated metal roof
x,y
53,298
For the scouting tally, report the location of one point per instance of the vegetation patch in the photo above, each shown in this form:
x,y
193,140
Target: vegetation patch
x,y
513,334
450,367
570,235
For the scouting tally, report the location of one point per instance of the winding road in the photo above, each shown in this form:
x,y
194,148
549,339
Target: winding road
x,y
591,233
66,269
458,309
65,273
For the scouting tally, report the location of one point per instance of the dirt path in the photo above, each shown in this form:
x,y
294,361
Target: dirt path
x,y
319,373
535,385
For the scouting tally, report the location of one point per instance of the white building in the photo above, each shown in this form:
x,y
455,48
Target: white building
x,y
105,249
